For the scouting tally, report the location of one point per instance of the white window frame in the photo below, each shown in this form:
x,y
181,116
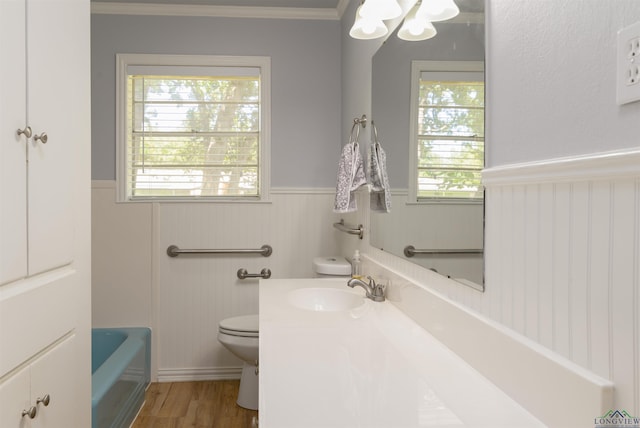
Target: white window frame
x,y
417,67
124,61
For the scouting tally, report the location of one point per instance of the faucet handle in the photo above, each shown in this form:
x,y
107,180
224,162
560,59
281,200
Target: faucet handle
x,y
377,290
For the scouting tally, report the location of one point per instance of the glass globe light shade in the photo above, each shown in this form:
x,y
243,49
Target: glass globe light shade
x,y
416,28
381,9
367,28
438,10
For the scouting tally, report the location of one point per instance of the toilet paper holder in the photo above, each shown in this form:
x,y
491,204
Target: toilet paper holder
x,y
264,274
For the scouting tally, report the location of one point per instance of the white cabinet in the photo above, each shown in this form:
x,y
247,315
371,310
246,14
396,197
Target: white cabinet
x,y
39,91
40,394
45,211
14,399
54,29
13,154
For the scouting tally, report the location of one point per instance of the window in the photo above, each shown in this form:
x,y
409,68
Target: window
x,y
447,130
192,127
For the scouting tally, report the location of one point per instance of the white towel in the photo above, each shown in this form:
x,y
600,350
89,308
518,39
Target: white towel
x,y
380,200
350,178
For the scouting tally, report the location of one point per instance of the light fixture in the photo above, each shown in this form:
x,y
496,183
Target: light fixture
x,y
367,28
381,9
416,27
438,10
417,24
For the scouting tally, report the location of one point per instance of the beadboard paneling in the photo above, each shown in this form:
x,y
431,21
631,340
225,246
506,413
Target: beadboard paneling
x,y
562,262
184,298
195,292
121,260
583,234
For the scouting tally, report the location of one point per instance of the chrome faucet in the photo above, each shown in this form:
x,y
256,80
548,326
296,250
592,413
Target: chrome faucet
x,y
374,291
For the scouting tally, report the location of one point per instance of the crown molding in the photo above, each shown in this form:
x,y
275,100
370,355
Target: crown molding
x,y
153,9
341,7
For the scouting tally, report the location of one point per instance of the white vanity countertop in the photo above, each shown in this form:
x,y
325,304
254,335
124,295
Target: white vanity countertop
x,y
368,367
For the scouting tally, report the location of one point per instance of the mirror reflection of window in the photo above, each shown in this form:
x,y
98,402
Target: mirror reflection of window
x,y
447,130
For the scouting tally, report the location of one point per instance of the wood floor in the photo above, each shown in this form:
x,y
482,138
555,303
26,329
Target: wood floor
x,y
194,404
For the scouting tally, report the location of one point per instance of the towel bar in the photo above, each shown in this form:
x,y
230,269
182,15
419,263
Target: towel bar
x,y
410,251
359,230
174,251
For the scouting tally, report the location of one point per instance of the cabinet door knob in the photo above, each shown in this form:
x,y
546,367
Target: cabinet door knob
x,y
42,137
26,131
44,400
31,412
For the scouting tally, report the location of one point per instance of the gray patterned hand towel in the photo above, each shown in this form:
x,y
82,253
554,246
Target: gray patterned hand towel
x,y
380,200
350,178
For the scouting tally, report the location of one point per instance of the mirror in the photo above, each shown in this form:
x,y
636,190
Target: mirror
x,y
446,228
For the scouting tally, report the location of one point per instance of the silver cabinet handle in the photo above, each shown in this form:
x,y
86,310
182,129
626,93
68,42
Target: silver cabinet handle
x,y
26,131
44,400
31,412
42,137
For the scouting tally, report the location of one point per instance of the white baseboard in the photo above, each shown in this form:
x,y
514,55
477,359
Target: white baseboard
x,y
198,374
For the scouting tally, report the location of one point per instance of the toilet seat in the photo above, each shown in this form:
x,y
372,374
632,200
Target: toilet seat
x,y
242,326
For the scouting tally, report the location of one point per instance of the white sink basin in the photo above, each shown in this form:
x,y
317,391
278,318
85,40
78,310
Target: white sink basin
x,y
324,299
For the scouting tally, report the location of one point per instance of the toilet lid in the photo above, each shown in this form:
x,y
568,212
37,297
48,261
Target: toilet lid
x,y
246,326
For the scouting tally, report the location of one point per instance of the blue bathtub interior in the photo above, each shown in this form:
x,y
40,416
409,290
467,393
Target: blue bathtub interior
x,y
121,372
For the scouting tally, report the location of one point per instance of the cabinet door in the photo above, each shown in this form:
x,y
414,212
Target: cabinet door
x,y
13,172
14,398
57,85
50,374
53,374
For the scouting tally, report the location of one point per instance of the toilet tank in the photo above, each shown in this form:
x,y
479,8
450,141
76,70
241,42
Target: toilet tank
x,y
331,266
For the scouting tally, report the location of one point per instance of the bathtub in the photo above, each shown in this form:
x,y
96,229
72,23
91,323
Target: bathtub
x,y
121,371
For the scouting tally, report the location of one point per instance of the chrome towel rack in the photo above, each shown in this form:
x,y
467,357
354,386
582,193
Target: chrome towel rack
x,y
264,273
410,251
174,251
357,123
341,226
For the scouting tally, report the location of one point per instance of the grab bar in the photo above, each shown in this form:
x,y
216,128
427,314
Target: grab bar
x,y
349,229
410,251
264,273
174,251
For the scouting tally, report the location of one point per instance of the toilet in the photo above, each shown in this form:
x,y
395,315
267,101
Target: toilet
x,y
240,336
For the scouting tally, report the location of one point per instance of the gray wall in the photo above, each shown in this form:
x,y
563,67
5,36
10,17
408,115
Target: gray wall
x,y
306,82
356,72
551,73
551,79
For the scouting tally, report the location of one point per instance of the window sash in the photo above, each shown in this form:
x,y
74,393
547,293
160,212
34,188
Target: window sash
x,y
177,143
447,158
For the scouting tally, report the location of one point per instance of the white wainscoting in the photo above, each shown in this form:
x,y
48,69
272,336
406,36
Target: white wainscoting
x,y
562,262
184,298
